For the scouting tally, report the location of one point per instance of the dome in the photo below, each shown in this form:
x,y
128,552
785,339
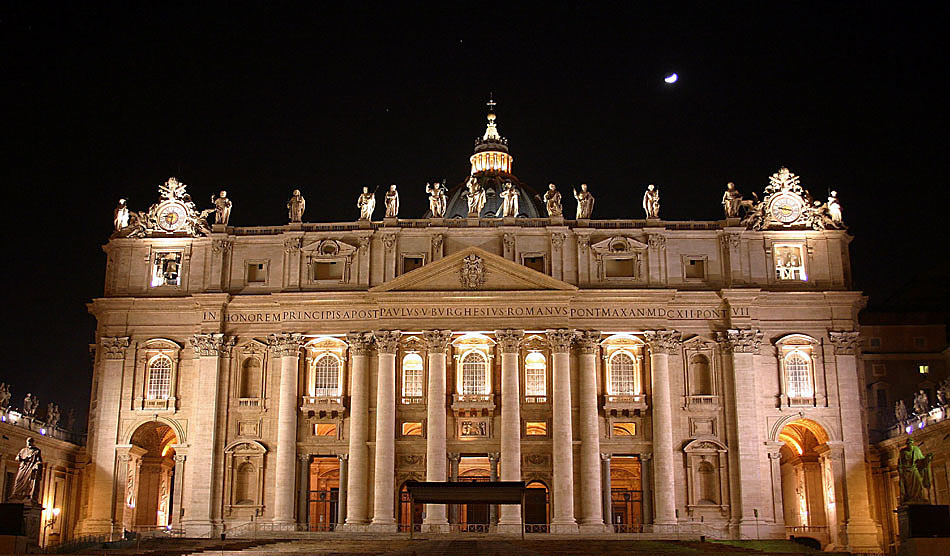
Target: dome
x,y
528,204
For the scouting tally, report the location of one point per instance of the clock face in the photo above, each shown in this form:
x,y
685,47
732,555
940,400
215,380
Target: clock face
x,y
171,217
786,209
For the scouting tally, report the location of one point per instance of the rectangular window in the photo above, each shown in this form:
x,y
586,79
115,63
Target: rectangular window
x,y
412,382
881,398
534,262
328,270
874,342
256,273
324,429
695,269
412,429
410,263
166,269
536,428
790,263
923,369
878,369
619,268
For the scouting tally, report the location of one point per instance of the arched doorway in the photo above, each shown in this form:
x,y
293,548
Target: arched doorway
x,y
474,518
808,493
536,508
404,507
626,494
324,500
150,477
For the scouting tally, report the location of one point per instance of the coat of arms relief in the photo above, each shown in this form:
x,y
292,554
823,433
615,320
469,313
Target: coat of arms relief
x,y
472,274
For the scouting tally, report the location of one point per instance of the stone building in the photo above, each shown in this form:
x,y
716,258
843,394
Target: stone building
x,y
638,374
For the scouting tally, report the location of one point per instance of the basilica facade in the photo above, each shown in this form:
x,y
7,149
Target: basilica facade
x,y
639,375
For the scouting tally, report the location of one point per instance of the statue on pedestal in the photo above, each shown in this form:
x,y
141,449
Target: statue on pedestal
x,y
392,202
436,193
943,392
585,202
900,412
731,201
29,404
552,201
120,216
834,208
52,415
509,207
651,202
366,202
26,486
921,403
914,470
5,395
476,197
295,207
222,208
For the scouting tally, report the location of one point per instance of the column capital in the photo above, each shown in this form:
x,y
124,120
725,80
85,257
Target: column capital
x,y
587,340
663,341
746,340
343,457
180,458
114,348
437,340
304,458
387,341
560,339
361,343
493,457
285,344
605,457
453,456
212,345
509,340
846,342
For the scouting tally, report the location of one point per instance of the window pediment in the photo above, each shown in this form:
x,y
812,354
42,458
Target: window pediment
x,y
618,245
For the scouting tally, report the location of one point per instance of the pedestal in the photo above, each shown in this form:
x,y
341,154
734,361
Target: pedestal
x,y
923,520
20,528
390,221
219,228
365,224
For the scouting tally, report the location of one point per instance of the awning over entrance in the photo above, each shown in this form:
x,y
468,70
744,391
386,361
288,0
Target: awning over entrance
x,y
496,492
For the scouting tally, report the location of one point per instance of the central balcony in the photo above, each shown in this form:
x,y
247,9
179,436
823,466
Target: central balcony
x,y
624,404
473,405
323,406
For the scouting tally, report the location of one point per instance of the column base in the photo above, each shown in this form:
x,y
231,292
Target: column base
x,y
749,529
564,527
863,537
380,527
94,527
508,528
354,527
199,528
593,528
436,528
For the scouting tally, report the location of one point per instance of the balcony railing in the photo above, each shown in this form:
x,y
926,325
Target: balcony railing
x,y
702,401
472,404
624,404
323,406
413,400
535,399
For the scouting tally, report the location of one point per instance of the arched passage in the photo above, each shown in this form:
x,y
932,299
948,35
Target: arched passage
x,y
808,494
537,512
150,477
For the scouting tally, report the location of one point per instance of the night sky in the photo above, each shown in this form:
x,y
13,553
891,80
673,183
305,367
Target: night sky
x,y
102,102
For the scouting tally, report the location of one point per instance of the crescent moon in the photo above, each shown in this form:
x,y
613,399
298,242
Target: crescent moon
x,y
671,78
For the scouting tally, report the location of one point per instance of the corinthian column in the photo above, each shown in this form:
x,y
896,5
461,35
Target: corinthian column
x,y
661,343
102,438
361,344
592,511
203,499
746,458
509,341
286,346
387,341
562,488
437,341
862,530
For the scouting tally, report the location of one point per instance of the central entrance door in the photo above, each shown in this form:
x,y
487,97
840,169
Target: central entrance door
x,y
324,503
475,518
626,494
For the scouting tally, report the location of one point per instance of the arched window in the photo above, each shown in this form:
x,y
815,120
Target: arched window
x,y
708,489
159,382
243,484
700,377
624,374
412,376
535,375
251,378
474,374
798,376
325,381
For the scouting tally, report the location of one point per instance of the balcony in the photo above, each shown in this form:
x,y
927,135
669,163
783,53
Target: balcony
x,y
412,400
473,405
624,405
323,406
702,402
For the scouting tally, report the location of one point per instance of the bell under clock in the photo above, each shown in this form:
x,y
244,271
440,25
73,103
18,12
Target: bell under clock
x,y
785,209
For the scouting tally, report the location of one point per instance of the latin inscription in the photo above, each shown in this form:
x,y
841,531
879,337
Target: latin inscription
x,y
384,313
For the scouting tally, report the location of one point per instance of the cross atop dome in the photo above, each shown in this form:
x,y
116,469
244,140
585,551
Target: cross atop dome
x,y
491,149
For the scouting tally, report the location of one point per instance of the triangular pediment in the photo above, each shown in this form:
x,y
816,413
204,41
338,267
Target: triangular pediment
x,y
473,269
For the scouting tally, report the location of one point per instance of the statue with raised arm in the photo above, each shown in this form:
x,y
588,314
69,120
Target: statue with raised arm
x,y
651,201
295,207
436,193
366,202
392,202
552,201
834,208
509,207
914,470
585,202
120,216
476,197
26,485
222,208
731,201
